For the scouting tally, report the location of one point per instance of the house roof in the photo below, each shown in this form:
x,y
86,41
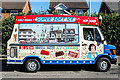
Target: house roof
x,y
58,31
69,30
13,0
71,5
12,4
112,4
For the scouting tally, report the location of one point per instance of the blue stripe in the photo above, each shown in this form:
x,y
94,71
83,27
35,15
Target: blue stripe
x,y
60,61
18,60
14,60
67,62
10,60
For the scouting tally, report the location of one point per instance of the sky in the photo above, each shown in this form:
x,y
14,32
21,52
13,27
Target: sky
x,y
38,5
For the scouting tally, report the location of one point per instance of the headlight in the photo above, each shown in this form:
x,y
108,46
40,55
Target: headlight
x,y
114,51
13,52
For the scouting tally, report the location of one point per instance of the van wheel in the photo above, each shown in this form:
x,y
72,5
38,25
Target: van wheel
x,y
32,65
103,64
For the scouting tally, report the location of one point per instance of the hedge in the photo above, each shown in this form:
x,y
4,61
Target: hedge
x,y
7,27
110,28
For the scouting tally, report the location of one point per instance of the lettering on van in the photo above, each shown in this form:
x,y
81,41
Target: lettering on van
x,y
55,19
24,19
89,20
43,47
66,47
26,47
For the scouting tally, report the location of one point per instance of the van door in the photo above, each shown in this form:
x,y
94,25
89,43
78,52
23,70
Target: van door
x,y
91,44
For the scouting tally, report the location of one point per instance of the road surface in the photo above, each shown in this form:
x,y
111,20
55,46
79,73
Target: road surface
x,y
58,71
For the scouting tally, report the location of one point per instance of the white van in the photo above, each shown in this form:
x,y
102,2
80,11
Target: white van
x,y
59,39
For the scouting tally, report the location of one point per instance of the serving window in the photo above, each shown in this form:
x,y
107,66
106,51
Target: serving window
x,y
48,33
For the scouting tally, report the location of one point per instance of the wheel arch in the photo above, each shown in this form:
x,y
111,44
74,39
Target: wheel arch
x,y
102,56
32,57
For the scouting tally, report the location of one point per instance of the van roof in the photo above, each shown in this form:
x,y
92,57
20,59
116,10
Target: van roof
x,y
57,19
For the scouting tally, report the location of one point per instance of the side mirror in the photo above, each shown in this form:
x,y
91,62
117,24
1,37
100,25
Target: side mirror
x,y
104,40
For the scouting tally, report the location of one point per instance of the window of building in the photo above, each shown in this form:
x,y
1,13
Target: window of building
x,y
79,11
24,36
29,36
60,11
13,12
29,32
24,32
72,32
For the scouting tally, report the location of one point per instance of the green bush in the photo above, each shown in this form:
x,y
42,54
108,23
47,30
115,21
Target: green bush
x,y
7,27
110,28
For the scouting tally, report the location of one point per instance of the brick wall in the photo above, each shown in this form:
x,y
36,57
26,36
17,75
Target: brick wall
x,y
5,15
26,8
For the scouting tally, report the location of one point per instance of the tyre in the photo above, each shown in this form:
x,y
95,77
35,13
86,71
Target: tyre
x,y
103,64
32,65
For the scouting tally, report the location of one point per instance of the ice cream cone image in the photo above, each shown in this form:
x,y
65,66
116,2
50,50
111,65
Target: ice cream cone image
x,y
15,37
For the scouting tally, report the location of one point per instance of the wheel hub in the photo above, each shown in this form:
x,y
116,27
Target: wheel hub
x,y
32,65
103,65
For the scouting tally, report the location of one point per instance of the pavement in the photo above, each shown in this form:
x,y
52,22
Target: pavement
x,y
118,60
3,57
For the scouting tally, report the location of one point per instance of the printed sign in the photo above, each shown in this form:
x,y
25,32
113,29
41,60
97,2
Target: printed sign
x,y
43,47
44,52
55,19
73,54
67,47
59,53
26,47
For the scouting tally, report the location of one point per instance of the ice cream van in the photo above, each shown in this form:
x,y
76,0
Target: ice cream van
x,y
59,39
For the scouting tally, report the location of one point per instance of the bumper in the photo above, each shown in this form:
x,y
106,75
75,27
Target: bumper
x,y
114,61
